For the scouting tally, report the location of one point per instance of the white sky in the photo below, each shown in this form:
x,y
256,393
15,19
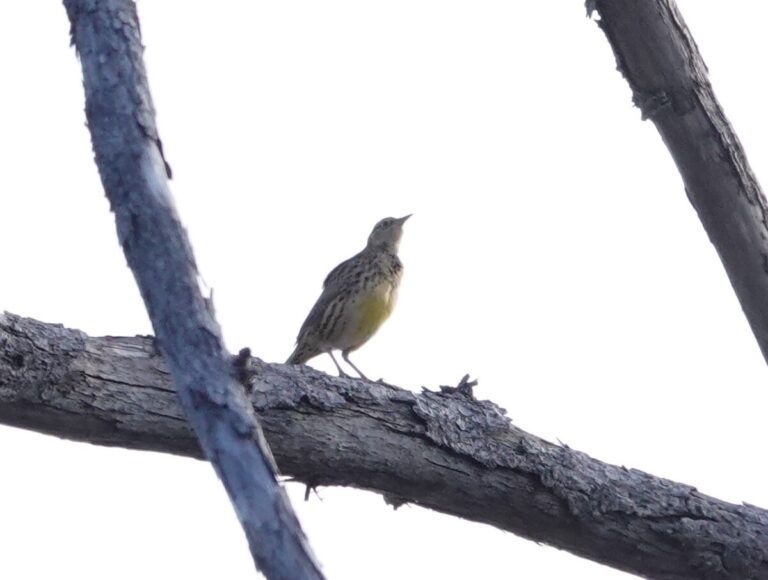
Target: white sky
x,y
553,255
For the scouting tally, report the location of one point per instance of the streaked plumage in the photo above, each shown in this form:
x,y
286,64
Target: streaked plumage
x,y
358,296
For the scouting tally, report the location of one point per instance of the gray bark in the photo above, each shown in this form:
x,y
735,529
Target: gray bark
x,y
135,177
660,60
442,450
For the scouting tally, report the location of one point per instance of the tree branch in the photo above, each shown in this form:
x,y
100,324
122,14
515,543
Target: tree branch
x,y
445,451
670,85
133,171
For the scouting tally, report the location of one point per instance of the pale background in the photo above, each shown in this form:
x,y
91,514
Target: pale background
x,y
553,255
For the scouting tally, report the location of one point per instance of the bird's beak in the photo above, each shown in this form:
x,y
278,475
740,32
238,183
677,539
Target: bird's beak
x,y
403,219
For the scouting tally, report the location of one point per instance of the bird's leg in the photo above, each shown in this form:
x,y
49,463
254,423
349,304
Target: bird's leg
x,y
345,356
342,374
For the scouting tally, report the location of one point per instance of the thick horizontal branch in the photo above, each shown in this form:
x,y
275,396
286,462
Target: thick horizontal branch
x,y
445,451
660,60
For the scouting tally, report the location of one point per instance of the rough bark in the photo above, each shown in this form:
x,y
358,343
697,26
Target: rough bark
x,y
670,85
135,177
443,450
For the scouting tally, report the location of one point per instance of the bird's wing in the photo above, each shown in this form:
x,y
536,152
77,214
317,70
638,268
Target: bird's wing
x,y
315,316
343,271
334,284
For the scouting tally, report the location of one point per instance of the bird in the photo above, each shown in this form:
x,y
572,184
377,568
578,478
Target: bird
x,y
358,296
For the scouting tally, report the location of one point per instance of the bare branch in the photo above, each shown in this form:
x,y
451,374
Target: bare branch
x,y
660,60
446,451
134,174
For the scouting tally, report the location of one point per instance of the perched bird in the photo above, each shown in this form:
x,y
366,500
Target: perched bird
x,y
358,296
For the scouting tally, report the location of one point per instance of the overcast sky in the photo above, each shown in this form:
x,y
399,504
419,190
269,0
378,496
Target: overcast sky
x,y
552,254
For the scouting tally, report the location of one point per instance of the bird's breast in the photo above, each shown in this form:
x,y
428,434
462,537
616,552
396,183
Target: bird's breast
x,y
374,307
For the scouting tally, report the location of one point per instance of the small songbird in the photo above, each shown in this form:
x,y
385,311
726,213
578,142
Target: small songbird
x,y
358,296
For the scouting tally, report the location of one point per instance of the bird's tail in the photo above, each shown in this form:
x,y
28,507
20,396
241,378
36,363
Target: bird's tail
x,y
301,354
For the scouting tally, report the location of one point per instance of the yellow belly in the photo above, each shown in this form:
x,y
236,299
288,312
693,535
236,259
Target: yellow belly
x,y
372,309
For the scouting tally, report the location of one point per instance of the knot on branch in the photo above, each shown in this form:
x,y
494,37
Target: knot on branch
x,y
396,501
464,388
244,369
653,104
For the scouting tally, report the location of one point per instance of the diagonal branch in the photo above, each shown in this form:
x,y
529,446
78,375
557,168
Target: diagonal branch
x,y
445,451
660,60
134,174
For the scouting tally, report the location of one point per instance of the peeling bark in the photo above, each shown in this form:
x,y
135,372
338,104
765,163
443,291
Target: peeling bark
x,y
442,450
670,85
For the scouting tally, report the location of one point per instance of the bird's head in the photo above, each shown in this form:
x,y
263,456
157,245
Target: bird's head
x,y
387,233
